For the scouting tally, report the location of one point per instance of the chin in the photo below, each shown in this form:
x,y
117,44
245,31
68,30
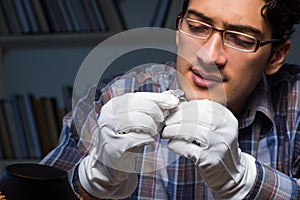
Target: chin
x,y
201,94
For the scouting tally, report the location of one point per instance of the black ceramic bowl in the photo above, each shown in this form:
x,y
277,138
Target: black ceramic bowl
x,y
34,181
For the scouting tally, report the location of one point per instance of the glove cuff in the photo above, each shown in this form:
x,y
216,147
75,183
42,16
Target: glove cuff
x,y
93,177
248,172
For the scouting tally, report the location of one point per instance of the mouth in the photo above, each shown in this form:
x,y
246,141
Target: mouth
x,y
205,80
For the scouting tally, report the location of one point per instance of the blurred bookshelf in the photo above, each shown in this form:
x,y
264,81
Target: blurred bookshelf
x,y
76,23
34,24
62,40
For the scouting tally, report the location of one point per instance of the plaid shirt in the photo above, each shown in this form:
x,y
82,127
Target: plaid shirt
x,y
268,129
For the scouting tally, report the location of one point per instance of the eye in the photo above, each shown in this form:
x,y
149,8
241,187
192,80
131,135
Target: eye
x,y
198,27
240,40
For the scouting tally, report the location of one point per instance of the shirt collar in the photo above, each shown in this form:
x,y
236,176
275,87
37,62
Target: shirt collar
x,y
260,101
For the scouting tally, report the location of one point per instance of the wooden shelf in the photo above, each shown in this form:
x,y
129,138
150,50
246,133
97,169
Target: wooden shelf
x,y
58,40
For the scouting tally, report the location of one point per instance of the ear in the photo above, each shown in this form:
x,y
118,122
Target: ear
x,y
278,58
177,37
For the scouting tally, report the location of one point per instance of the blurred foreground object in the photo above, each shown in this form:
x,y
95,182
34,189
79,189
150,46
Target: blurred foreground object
x,y
35,181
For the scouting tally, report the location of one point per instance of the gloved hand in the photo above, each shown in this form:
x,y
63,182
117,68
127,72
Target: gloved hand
x,y
207,133
126,124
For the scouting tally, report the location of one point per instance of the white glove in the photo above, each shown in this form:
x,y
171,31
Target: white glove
x,y
126,124
207,133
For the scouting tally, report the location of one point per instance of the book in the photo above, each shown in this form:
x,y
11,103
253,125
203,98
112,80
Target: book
x,y
27,98
28,120
111,15
19,126
173,11
61,112
3,22
1,151
24,119
41,16
160,13
65,16
32,18
42,126
17,143
7,149
99,15
67,97
93,16
50,107
12,21
52,15
82,17
21,16
70,9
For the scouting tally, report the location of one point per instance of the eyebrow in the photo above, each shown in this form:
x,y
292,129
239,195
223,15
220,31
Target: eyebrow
x,y
233,27
200,15
244,28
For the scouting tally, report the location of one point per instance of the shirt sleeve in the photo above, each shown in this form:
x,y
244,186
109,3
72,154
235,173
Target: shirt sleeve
x,y
273,184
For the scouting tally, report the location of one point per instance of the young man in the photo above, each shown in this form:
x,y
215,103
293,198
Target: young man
x,y
234,134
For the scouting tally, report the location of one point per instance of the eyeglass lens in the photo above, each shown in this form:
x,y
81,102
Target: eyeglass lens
x,y
236,40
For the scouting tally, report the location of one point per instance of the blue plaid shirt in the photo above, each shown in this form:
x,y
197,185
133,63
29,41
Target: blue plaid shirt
x,y
268,129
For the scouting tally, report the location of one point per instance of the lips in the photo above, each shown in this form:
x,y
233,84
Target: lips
x,y
205,80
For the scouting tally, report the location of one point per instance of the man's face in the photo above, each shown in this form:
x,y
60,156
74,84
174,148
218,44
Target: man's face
x,y
211,70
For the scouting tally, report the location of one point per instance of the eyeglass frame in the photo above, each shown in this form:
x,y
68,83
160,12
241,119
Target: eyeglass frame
x,y
259,42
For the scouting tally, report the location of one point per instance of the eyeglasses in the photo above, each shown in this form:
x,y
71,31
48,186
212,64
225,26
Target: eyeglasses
x,y
233,39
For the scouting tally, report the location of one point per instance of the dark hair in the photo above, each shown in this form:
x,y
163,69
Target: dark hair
x,y
282,15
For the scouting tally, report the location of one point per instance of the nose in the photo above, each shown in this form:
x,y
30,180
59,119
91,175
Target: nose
x,y
212,50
